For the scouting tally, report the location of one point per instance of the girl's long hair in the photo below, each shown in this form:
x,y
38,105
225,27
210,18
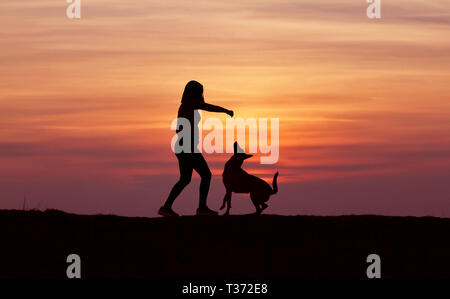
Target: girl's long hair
x,y
193,93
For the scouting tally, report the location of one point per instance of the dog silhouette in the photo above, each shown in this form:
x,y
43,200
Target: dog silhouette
x,y
238,180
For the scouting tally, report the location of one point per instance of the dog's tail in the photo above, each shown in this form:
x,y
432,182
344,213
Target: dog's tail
x,y
274,184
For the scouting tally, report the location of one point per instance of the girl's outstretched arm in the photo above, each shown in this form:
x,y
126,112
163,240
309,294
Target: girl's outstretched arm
x,y
214,108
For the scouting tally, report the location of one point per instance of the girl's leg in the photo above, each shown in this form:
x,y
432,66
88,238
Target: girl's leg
x,y
185,165
201,167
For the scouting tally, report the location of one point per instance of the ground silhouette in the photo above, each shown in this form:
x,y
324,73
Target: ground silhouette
x,y
36,244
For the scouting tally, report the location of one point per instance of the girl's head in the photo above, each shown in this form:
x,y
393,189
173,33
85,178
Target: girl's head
x,y
193,93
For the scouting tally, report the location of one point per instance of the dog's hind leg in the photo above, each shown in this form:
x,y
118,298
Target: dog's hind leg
x,y
227,202
263,204
224,201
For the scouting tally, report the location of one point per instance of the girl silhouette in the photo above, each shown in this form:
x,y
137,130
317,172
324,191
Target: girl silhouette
x,y
191,101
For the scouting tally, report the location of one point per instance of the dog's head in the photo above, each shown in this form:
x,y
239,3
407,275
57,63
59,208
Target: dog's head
x,y
237,159
239,153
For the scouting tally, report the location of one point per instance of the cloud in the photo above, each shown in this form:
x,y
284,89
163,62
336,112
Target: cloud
x,y
436,19
416,193
90,148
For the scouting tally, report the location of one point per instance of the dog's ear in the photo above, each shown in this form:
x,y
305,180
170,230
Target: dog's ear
x,y
238,149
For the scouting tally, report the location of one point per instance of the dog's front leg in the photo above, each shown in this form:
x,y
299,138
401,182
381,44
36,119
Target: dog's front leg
x,y
224,201
227,201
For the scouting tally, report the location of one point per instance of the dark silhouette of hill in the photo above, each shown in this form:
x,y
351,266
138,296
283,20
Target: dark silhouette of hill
x,y
36,244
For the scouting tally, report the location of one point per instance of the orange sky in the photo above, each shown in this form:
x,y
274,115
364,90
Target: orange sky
x,y
86,105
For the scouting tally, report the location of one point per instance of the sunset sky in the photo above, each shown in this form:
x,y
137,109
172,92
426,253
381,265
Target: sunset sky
x,y
364,105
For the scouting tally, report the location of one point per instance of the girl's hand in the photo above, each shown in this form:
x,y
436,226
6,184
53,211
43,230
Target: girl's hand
x,y
230,113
